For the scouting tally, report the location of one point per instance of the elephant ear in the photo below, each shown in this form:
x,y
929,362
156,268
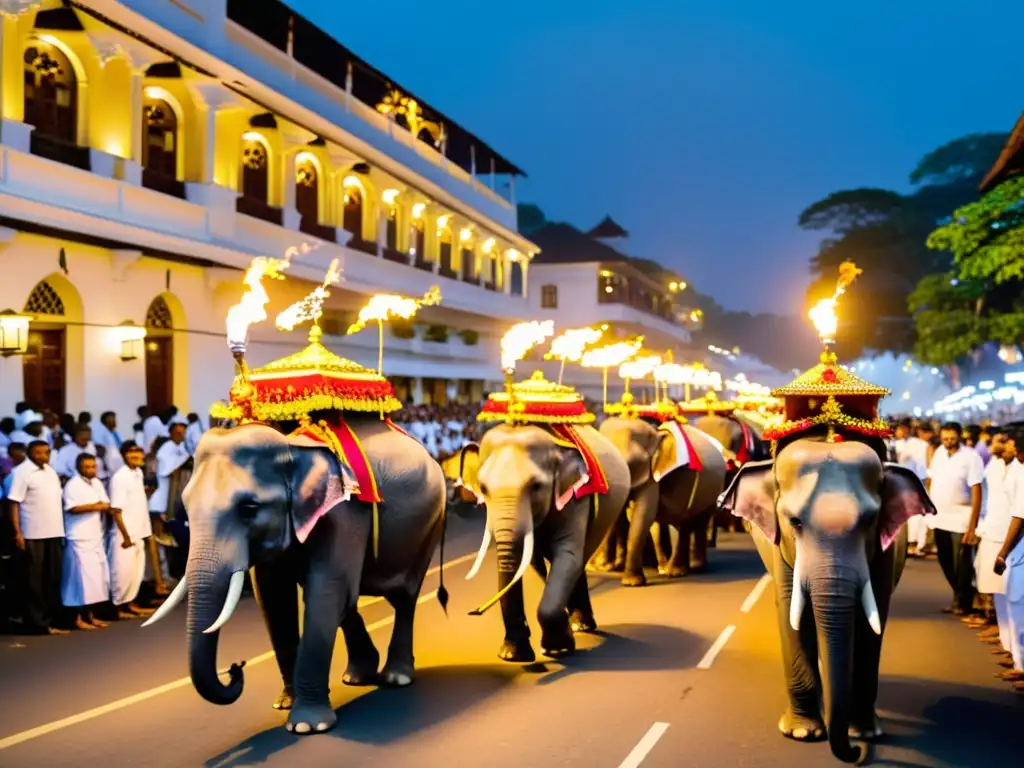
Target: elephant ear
x,y
663,454
751,495
903,496
319,483
570,476
469,471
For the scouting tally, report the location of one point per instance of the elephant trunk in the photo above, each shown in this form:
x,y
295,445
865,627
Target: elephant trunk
x,y
835,598
514,543
208,586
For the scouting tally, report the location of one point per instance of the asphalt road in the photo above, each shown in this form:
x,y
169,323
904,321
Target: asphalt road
x,y
649,689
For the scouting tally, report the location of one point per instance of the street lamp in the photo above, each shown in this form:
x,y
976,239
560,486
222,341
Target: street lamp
x,y
131,340
13,333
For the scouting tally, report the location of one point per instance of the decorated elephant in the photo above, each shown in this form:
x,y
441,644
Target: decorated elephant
x,y
285,506
828,521
675,477
551,497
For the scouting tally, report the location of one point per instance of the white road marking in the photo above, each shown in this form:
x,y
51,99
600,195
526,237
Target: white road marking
x,y
715,649
90,714
641,750
755,593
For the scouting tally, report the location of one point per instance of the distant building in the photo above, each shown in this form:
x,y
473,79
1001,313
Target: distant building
x,y
150,150
1010,162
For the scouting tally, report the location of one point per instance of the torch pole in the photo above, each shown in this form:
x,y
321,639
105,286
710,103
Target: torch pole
x,y
561,371
605,384
686,392
380,347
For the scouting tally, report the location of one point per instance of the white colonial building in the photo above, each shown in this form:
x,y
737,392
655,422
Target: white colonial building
x,y
150,149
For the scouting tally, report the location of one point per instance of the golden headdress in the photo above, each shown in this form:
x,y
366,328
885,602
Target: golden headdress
x,y
708,405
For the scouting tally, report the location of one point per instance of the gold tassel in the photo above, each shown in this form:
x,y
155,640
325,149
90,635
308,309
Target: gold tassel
x,y
376,531
693,492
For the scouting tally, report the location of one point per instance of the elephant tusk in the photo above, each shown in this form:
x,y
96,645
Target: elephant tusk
x,y
481,554
799,599
867,599
230,602
527,559
169,604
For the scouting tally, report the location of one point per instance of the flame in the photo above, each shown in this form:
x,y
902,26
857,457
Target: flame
x,y
823,314
747,389
384,306
311,307
521,338
640,368
611,355
569,345
695,375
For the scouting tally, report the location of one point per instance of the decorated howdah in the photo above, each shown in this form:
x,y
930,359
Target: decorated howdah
x,y
536,401
708,405
314,379
659,411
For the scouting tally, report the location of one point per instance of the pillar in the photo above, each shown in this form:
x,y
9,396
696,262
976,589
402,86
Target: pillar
x,y
506,276
417,390
137,115
14,132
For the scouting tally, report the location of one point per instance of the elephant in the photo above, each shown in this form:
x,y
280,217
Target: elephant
x,y
681,498
281,505
527,480
828,522
741,437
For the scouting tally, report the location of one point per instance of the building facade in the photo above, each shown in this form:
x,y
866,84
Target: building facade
x,y
150,149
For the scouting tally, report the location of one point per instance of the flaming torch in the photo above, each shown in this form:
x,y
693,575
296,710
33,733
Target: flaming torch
x,y
515,344
311,307
570,345
611,356
823,314
640,368
383,307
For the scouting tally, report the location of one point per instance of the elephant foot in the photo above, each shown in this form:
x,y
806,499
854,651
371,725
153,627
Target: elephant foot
x,y
634,579
699,567
397,674
866,729
800,728
285,699
311,718
361,672
520,653
619,565
676,572
580,622
601,566
558,643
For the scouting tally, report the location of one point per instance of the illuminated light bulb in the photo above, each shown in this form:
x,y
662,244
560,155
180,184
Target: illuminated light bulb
x,y
570,345
465,234
673,286
521,338
389,196
488,245
311,307
442,221
351,181
417,210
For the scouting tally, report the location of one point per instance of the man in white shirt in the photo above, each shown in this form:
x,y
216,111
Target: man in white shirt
x,y
156,426
1010,563
28,426
85,578
66,462
128,538
173,466
954,483
995,522
36,513
108,442
912,453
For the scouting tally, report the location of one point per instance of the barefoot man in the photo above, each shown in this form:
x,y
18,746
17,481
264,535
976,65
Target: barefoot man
x,y
126,547
85,579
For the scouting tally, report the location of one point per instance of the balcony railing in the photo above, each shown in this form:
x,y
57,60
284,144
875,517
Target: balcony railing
x,y
396,256
448,272
158,182
312,227
490,287
259,209
365,246
426,266
60,151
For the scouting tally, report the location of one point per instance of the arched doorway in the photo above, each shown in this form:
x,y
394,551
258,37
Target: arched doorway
x,y
159,356
307,190
44,366
418,241
51,92
160,138
255,168
444,238
352,219
516,278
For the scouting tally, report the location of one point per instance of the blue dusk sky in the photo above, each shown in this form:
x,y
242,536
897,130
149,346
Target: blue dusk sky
x,y
704,128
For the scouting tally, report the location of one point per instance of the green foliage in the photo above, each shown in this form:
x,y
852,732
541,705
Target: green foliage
x,y
948,323
851,209
958,160
402,329
470,338
530,218
436,333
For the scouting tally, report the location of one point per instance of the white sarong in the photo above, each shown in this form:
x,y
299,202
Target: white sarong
x,y
986,580
85,576
127,567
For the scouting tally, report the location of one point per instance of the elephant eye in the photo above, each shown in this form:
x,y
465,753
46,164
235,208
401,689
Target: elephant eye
x,y
536,486
248,509
796,523
483,489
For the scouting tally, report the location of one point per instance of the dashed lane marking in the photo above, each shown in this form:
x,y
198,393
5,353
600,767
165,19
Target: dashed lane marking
x,y
715,649
91,714
755,593
642,749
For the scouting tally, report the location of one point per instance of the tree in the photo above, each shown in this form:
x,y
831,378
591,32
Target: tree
x,y
530,218
886,234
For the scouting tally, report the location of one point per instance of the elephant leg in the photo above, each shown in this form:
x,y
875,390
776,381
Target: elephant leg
x,y
581,612
679,563
802,719
399,670
662,550
699,559
645,509
552,614
713,533
867,647
277,594
516,647
363,659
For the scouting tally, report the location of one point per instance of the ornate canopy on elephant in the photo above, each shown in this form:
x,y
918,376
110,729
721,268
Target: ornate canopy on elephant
x,y
831,396
659,412
708,405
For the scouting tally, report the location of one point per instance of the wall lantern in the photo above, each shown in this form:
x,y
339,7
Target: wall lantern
x,y
465,234
131,340
13,333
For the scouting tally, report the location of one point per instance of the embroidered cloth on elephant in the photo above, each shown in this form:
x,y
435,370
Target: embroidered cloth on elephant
x,y
344,444
594,481
686,455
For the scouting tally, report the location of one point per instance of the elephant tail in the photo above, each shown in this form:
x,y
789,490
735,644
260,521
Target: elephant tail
x,y
442,593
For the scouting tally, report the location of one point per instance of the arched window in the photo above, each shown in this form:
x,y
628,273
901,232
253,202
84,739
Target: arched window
x,y
418,240
307,190
159,138
51,92
159,356
44,364
353,216
255,169
391,228
444,239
